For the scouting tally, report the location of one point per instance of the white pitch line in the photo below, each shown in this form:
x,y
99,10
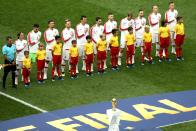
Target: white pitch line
x,y
23,102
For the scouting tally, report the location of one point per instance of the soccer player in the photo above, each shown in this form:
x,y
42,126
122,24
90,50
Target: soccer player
x,y
68,34
33,39
125,23
179,39
147,39
40,56
130,48
154,19
164,36
21,47
9,51
49,37
26,68
101,53
73,51
170,17
82,30
88,49
57,57
140,23
114,115
114,49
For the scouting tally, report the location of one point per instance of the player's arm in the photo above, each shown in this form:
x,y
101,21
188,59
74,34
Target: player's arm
x,y
106,29
47,38
29,39
92,34
167,18
122,27
65,38
79,33
151,22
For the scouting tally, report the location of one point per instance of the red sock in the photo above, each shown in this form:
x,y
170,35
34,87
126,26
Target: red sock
x,y
53,69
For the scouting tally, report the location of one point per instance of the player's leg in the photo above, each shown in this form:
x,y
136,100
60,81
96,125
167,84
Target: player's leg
x,y
48,59
6,71
63,63
161,49
39,64
173,51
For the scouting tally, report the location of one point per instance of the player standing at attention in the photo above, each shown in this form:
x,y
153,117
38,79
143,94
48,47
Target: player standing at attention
x,y
73,51
125,23
21,47
108,27
88,49
95,32
164,36
114,115
114,49
57,57
147,38
179,32
40,56
101,53
49,37
140,23
130,48
26,69
33,38
154,19
170,17
82,30
68,34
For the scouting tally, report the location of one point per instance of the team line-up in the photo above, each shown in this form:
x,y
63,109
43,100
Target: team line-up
x,y
98,41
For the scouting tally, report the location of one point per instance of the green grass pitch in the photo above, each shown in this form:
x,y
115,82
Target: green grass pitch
x,y
18,16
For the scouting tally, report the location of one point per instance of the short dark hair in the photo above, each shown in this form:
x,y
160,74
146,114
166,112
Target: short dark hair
x,y
98,18
73,41
179,18
18,35
36,25
130,28
114,31
88,37
110,13
82,17
163,22
57,37
130,14
8,37
171,2
26,52
140,10
50,21
153,6
67,20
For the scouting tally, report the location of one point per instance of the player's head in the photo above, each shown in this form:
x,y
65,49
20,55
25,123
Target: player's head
x,y
68,23
171,5
58,39
98,20
51,23
163,23
88,38
74,43
114,103
20,35
141,13
9,40
26,53
115,32
110,16
154,8
36,27
147,28
130,30
83,19
179,19
41,46
103,37
129,16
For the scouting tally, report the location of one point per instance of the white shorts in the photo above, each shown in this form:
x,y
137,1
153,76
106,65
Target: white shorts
x,y
122,43
81,50
18,65
48,55
65,55
139,42
155,37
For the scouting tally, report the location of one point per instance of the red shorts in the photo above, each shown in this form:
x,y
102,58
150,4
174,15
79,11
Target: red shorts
x,y
101,55
89,58
40,64
114,51
148,46
130,49
57,59
179,40
164,42
74,60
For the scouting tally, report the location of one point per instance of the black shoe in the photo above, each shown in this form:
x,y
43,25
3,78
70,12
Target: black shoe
x,y
14,86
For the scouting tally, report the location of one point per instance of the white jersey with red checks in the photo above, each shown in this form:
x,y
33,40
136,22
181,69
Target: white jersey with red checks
x,y
96,31
49,37
170,17
154,19
21,46
108,27
81,32
68,34
140,23
33,41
